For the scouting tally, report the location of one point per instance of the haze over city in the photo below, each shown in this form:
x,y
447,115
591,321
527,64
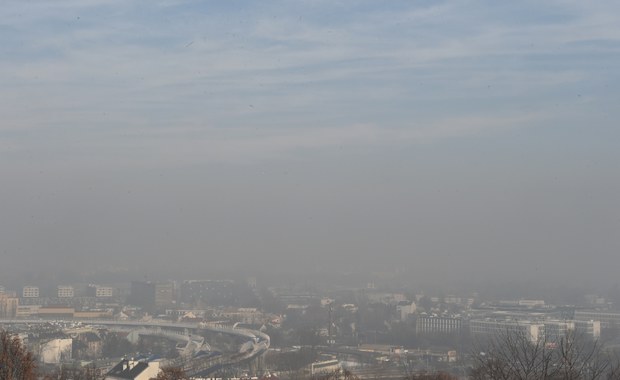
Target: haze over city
x,y
470,141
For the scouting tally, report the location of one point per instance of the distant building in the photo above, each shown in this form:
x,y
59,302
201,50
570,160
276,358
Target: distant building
x,y
56,351
406,309
143,295
386,297
93,344
8,305
99,291
596,300
65,291
26,311
532,303
608,319
522,304
590,329
491,328
438,325
555,331
55,312
552,330
30,292
453,300
164,295
93,314
248,315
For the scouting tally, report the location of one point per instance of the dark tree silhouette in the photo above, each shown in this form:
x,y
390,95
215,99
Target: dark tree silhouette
x,y
515,356
16,363
171,373
431,376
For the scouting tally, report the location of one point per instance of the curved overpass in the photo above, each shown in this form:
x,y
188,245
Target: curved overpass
x,y
256,342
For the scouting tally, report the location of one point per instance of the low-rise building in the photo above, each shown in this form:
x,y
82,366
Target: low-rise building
x,y
406,309
55,312
387,298
56,350
590,329
608,319
27,311
555,331
492,328
438,325
93,314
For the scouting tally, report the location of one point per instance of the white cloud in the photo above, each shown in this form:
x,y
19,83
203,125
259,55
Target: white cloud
x,y
126,72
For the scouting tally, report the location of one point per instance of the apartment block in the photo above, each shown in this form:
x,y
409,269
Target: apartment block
x,y
30,292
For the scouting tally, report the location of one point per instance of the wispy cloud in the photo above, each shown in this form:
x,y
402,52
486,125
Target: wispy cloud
x,y
299,73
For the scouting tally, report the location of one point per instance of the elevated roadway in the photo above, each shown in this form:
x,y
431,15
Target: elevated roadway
x,y
255,343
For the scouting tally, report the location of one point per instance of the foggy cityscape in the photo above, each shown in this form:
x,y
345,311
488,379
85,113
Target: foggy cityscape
x,y
309,190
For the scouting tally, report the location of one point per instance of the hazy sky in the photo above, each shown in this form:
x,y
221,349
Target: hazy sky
x,y
434,137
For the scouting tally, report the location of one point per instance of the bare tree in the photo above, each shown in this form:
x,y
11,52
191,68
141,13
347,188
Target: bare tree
x,y
581,358
431,376
171,373
514,355
16,363
74,373
336,375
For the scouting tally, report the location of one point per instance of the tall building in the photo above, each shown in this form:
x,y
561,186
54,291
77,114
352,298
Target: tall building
x,y
143,295
199,293
8,305
164,295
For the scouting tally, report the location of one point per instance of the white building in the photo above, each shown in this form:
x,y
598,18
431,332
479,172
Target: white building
x,y
406,308
590,329
453,300
26,311
438,325
492,328
56,351
555,331
30,292
607,319
532,303
65,291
